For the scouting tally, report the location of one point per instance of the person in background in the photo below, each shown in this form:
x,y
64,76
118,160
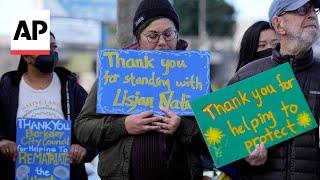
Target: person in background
x,y
257,42
296,24
144,146
40,90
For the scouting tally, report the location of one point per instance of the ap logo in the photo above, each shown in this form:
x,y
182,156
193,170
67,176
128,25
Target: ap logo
x,y
30,33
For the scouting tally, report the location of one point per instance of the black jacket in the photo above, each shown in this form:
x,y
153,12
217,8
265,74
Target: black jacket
x,y
9,92
299,157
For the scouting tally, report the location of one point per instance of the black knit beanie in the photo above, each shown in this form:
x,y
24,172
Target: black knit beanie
x,y
154,8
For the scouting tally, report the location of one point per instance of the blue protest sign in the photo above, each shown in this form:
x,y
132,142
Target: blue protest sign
x,y
134,81
43,146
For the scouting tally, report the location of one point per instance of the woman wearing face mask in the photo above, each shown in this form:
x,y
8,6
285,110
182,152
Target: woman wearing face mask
x,y
257,42
40,90
143,146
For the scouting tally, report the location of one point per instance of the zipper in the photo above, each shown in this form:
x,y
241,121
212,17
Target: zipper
x,y
68,101
291,63
289,166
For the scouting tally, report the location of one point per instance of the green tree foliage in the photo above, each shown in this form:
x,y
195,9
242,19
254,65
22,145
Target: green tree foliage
x,y
220,17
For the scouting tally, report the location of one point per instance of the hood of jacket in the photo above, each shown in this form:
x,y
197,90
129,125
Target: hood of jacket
x,y
63,74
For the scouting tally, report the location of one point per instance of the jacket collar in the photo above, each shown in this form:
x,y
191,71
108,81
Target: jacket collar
x,y
181,45
297,63
63,74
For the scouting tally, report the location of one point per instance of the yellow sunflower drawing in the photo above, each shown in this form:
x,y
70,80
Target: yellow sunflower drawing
x,y
214,136
304,119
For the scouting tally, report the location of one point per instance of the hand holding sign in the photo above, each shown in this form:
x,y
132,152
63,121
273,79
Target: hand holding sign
x,y
170,122
8,148
141,123
77,153
258,157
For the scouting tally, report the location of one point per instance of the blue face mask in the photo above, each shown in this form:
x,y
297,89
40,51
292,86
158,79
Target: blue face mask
x,y
263,54
46,63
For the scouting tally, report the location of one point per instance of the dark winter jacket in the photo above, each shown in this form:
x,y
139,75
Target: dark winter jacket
x,y
9,92
299,157
109,135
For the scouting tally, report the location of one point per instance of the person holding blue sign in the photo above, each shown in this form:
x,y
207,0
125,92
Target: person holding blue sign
x,y
296,24
145,146
39,90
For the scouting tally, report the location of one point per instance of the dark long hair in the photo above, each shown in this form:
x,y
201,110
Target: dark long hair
x,y
250,42
23,66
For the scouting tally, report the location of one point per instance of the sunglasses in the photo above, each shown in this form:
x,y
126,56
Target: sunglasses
x,y
303,10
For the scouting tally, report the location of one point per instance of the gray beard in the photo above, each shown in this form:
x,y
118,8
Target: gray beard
x,y
299,45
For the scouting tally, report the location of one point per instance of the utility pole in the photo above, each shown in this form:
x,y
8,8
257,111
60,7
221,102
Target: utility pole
x,y
126,10
203,43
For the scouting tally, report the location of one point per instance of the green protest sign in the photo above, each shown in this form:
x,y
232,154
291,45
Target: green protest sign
x,y
268,108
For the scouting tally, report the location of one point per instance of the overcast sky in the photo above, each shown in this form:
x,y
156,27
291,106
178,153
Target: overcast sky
x,y
251,9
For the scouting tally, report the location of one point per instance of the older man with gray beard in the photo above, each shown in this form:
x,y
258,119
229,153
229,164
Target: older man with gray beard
x,y
296,24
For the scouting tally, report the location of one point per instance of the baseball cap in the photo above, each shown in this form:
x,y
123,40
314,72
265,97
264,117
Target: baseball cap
x,y
279,6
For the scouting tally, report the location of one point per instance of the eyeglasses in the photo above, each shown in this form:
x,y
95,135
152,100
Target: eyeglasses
x,y
303,10
168,35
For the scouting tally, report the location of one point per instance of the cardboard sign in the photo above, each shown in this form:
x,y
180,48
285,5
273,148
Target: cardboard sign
x,y
43,146
268,108
134,81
